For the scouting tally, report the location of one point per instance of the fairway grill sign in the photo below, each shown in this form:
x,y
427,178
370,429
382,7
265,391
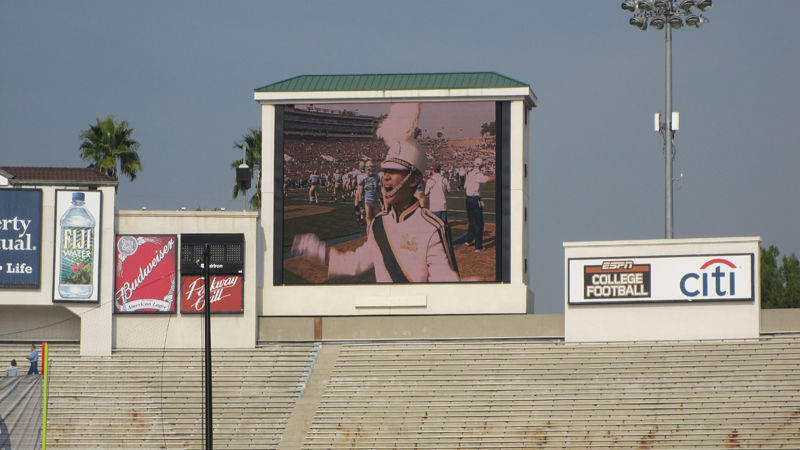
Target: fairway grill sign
x,y
225,294
726,277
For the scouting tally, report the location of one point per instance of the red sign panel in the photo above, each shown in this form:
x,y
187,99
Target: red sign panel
x,y
226,293
146,274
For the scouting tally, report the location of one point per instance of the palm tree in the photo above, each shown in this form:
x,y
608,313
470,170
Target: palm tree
x,y
251,142
107,145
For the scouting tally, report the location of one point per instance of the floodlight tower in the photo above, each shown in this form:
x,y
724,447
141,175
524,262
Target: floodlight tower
x,y
673,13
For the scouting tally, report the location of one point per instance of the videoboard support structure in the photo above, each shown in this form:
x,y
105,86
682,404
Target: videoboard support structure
x,y
395,194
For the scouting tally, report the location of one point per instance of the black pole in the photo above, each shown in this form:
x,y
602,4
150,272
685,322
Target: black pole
x,y
207,317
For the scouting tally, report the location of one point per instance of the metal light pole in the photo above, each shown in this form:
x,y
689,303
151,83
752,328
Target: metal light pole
x,y
207,327
667,14
669,155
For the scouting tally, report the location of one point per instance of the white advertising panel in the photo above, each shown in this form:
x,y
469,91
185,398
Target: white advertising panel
x,y
77,250
712,277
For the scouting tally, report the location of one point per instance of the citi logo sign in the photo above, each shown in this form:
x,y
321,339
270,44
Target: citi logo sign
x,y
722,282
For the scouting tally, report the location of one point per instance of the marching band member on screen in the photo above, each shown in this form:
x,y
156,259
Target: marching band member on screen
x,y
313,189
472,185
406,243
369,191
359,202
437,187
337,186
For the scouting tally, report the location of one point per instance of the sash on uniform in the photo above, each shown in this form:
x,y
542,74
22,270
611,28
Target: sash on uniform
x,y
396,272
447,242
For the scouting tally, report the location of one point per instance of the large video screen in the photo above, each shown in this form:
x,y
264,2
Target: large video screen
x,y
398,192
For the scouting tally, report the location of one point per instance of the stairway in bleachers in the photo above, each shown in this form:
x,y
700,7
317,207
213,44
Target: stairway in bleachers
x,y
551,395
154,399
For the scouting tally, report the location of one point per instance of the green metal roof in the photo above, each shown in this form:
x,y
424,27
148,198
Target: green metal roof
x,y
395,81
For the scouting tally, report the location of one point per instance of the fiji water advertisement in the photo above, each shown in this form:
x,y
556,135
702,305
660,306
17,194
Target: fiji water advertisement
x,y
20,238
77,248
145,274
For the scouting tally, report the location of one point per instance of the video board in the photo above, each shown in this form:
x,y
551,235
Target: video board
x,y
403,192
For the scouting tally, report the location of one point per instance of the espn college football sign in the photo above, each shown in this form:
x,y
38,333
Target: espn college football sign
x,y
146,274
726,277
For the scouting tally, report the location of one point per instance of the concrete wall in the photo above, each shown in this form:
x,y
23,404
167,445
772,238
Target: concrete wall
x,y
184,331
549,326
685,320
39,323
409,299
778,321
408,327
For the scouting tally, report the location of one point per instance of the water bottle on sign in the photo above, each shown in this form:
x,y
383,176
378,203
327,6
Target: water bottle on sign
x,y
76,256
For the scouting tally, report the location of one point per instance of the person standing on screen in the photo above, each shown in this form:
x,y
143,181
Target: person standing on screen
x,y
472,186
405,243
369,191
436,189
358,201
313,189
33,358
337,186
420,193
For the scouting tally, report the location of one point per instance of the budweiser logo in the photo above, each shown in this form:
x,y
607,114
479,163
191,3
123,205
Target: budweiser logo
x,y
145,273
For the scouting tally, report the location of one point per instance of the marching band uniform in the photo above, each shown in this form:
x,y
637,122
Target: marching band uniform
x,y
418,240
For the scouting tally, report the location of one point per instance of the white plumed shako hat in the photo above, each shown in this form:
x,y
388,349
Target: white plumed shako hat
x,y
397,131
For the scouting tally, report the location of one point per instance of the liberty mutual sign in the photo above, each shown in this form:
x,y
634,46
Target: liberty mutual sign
x,y
20,237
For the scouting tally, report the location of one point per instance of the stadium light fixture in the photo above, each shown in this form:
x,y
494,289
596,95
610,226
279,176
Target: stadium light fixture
x,y
629,5
639,21
657,23
661,13
660,5
704,5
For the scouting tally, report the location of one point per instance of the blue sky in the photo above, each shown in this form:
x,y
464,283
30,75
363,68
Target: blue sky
x,y
182,74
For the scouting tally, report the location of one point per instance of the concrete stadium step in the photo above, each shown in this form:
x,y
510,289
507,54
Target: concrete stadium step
x,y
515,394
146,398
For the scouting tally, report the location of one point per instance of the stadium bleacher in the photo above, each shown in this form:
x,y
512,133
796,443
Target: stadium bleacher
x,y
20,402
534,394
434,394
154,398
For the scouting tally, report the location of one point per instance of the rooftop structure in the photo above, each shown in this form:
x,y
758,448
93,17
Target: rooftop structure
x,y
21,176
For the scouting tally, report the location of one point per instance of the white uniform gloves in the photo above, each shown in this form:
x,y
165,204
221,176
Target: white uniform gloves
x,y
310,246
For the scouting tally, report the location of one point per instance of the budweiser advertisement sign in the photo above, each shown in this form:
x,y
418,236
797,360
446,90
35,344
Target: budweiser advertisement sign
x,y
225,294
146,274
